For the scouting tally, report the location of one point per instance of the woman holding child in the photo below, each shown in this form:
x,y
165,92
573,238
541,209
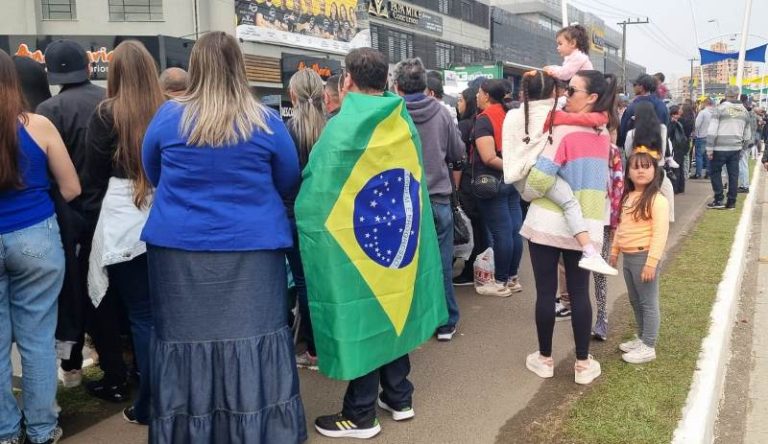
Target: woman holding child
x,y
578,152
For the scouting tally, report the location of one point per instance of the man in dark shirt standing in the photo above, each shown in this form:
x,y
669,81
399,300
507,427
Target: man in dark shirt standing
x,y
70,111
645,89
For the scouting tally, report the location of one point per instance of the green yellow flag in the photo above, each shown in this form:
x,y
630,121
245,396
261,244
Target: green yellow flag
x,y
367,239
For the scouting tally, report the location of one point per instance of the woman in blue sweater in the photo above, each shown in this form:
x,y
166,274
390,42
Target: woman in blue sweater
x,y
222,362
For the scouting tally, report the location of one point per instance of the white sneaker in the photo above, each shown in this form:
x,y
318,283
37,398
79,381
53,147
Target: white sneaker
x,y
514,285
494,289
671,162
640,355
628,346
587,375
397,415
71,378
536,365
597,264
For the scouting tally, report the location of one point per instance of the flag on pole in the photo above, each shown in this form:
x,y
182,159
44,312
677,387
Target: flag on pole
x,y
756,54
368,240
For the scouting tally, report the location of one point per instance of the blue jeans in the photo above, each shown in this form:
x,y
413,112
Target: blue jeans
x,y
443,215
31,276
700,144
504,218
130,280
744,169
729,159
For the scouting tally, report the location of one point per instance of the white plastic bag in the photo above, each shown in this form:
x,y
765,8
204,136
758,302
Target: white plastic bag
x,y
463,251
484,269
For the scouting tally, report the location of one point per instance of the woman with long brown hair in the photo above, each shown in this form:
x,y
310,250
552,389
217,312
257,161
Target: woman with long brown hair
x,y
306,89
32,263
223,367
118,194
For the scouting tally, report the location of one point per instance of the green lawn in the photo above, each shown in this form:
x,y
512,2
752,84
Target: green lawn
x,y
642,403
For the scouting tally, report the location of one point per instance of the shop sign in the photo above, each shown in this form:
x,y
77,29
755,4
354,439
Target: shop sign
x,y
291,63
328,26
99,49
597,39
406,15
466,74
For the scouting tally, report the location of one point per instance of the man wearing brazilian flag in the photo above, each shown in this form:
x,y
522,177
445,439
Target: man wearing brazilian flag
x,y
369,249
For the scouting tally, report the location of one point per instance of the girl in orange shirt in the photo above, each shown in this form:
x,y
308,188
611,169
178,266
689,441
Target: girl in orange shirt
x,y
642,236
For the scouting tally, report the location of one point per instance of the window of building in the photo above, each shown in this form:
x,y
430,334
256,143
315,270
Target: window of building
x,y
467,56
58,9
467,11
135,10
442,6
444,54
400,46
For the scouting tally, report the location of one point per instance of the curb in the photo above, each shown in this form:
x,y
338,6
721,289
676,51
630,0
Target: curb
x,y
700,411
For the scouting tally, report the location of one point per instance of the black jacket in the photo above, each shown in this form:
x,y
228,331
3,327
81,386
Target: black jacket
x,y
70,112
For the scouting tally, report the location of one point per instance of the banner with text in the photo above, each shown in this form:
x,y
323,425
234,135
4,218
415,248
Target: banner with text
x,y
328,26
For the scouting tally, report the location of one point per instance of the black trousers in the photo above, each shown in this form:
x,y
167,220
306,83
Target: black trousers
x,y
397,390
544,260
479,231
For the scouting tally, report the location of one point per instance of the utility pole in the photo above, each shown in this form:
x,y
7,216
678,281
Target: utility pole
x,y
624,47
690,82
743,46
564,8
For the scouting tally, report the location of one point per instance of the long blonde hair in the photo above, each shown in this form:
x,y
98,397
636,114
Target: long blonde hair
x,y
220,109
133,96
308,117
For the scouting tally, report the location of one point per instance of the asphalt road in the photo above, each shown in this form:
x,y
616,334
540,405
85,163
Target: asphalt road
x,y
466,390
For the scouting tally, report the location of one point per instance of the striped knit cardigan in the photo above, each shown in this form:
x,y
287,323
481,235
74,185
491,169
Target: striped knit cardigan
x,y
579,155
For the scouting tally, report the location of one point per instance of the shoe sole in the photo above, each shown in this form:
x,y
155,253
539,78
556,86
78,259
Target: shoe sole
x,y
626,349
463,284
354,433
396,415
516,290
446,337
540,373
498,293
127,419
586,380
640,361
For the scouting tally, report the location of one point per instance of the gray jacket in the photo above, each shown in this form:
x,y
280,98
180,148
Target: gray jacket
x,y
729,129
440,141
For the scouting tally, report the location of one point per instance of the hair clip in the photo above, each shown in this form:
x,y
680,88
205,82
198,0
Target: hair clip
x,y
642,149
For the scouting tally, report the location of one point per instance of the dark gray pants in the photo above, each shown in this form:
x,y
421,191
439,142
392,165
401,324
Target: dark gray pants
x,y
644,297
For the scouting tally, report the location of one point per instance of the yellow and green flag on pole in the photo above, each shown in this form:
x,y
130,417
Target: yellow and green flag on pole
x,y
367,239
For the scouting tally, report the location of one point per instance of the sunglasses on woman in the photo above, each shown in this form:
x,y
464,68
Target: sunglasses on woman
x,y
570,91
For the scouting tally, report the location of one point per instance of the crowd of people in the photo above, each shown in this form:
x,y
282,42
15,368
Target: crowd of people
x,y
165,204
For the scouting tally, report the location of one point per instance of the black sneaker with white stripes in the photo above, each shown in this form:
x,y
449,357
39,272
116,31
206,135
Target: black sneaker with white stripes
x,y
339,426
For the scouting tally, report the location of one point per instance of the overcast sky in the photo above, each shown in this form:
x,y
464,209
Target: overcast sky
x,y
669,41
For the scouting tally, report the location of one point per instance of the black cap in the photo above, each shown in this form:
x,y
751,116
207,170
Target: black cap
x,y
66,62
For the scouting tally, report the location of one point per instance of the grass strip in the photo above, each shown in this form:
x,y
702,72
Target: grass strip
x,y
643,403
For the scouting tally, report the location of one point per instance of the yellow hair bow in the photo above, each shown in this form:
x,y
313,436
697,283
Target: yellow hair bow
x,y
642,149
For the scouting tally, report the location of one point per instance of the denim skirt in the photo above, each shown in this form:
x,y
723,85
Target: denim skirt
x,y
222,363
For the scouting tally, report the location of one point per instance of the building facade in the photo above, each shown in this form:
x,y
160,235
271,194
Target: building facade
x,y
442,33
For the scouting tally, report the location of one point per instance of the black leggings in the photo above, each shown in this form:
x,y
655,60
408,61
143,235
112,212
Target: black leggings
x,y
544,260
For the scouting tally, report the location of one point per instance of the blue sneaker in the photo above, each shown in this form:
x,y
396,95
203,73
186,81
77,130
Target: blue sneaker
x,y
600,332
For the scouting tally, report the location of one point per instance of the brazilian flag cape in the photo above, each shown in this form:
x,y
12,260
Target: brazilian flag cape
x,y
367,239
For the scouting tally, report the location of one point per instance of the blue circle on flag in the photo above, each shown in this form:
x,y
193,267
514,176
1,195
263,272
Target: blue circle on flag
x,y
387,215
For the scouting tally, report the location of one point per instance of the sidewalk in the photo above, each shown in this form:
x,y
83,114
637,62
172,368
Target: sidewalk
x,y
466,390
757,402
